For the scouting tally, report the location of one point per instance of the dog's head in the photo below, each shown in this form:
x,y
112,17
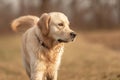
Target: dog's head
x,y
56,26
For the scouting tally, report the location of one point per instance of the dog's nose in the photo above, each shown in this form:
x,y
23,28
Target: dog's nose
x,y
72,34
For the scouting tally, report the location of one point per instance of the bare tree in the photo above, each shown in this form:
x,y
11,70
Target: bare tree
x,y
45,6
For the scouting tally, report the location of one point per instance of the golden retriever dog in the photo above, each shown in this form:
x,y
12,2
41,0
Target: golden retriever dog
x,y
43,43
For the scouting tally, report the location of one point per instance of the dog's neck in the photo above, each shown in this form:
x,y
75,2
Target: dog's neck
x,y
47,42
41,42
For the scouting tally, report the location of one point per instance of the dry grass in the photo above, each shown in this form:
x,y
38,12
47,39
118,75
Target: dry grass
x,y
110,39
10,59
82,60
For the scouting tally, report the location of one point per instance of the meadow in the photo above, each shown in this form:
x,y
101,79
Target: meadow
x,y
93,55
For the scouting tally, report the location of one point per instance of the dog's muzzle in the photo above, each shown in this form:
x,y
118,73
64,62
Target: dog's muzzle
x,y
72,37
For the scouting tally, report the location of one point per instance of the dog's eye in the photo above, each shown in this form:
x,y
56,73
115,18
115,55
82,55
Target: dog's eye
x,y
60,24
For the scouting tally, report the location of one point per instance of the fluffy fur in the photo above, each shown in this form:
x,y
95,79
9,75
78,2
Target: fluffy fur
x,y
43,43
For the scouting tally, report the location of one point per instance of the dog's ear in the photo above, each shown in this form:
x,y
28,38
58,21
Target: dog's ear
x,y
43,23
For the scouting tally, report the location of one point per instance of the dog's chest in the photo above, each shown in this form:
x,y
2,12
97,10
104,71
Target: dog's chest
x,y
54,56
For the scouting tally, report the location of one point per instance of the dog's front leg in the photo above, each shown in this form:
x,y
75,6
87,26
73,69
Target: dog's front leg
x,y
37,75
55,76
37,70
52,75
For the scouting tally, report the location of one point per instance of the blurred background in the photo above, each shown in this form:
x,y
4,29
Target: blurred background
x,y
95,54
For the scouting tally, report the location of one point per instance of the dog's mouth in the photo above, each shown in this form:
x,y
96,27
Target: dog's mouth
x,y
60,40
64,41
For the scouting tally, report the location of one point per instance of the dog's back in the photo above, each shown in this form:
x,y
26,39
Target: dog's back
x,y
22,24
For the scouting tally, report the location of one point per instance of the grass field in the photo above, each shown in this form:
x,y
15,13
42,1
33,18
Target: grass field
x,y
93,56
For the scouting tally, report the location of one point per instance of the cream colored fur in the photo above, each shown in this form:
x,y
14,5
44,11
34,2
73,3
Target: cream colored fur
x,y
42,63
